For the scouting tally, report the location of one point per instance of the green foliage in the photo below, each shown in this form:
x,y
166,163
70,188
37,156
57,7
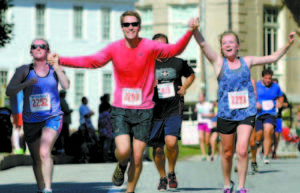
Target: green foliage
x,y
6,29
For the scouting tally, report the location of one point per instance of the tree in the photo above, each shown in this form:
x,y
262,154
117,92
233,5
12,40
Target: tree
x,y
6,29
294,7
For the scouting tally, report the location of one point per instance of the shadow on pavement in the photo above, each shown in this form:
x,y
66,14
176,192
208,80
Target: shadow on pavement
x,y
63,187
196,189
268,171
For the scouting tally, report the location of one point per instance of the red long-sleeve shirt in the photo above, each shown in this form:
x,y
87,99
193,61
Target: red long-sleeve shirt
x,y
134,68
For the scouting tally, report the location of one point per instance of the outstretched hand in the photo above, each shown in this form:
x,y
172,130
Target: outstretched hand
x,y
292,37
53,59
194,23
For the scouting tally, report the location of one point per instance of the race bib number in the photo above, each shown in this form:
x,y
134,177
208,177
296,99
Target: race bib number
x,y
165,90
238,100
40,102
131,97
267,105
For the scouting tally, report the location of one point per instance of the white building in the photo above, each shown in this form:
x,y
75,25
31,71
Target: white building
x,y
73,28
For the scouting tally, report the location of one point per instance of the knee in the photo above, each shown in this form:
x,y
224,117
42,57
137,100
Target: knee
x,y
45,154
252,143
159,151
227,153
124,152
242,153
172,147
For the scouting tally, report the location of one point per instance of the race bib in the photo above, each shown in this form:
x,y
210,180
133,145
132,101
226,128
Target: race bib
x,y
267,105
40,102
238,100
165,90
131,97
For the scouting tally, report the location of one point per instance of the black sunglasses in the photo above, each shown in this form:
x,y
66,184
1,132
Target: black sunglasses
x,y
133,24
42,46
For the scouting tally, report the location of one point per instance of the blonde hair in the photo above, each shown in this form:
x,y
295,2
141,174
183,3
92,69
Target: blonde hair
x,y
130,13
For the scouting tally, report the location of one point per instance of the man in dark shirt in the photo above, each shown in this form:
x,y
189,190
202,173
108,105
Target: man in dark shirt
x,y
278,129
63,139
169,101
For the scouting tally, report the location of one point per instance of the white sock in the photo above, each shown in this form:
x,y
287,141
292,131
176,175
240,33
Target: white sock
x,y
16,139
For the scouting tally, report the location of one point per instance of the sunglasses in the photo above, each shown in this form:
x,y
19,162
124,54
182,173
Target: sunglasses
x,y
42,46
133,24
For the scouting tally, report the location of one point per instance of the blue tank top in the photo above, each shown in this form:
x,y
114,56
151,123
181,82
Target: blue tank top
x,y
41,100
236,94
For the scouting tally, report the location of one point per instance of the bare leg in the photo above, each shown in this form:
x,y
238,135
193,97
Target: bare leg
x,y
243,133
160,160
172,151
268,132
227,143
47,141
136,164
202,142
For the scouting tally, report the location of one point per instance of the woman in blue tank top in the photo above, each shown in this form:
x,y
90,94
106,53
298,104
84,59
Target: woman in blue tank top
x,y
42,115
237,101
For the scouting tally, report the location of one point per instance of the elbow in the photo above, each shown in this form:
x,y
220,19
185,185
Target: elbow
x,y
66,87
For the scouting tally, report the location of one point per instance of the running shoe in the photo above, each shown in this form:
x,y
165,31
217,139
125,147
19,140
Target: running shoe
x,y
229,190
163,183
118,176
243,190
27,152
172,181
266,160
19,151
254,168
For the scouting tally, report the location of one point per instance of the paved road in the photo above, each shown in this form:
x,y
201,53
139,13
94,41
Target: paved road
x,y
281,176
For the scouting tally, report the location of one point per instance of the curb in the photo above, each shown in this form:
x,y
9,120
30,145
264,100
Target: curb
x,y
12,160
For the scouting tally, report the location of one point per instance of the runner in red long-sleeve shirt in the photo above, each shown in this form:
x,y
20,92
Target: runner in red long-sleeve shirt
x,y
133,61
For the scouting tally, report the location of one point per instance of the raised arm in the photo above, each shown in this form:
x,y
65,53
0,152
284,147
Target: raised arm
x,y
15,85
62,77
213,57
93,61
170,50
254,60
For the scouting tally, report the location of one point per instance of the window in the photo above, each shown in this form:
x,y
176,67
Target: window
x,y
40,20
78,24
107,83
270,32
3,84
189,113
3,77
79,87
105,18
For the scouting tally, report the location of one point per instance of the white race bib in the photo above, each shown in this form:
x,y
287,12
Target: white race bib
x,y
165,90
131,97
267,105
238,100
40,102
